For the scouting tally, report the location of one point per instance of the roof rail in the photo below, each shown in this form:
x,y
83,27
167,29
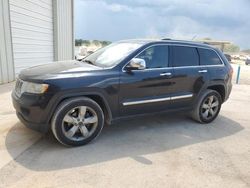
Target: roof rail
x,y
166,39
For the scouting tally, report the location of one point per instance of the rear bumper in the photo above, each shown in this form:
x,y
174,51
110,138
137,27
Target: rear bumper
x,y
228,92
31,112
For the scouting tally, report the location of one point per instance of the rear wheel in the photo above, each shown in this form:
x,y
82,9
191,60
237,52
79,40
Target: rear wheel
x,y
208,107
77,121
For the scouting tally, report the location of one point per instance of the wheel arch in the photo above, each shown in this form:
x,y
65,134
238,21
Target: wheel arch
x,y
220,88
97,97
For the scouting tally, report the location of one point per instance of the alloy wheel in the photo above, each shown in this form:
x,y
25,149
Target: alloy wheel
x,y
79,123
210,107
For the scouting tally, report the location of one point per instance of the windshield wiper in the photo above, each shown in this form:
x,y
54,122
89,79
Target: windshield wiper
x,y
88,61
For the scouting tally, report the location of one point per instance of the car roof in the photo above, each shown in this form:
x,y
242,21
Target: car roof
x,y
167,41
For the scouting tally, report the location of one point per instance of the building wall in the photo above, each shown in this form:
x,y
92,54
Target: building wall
x,y
25,25
32,32
6,58
63,29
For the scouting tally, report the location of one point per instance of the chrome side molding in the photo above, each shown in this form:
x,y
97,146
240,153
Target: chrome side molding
x,y
146,101
182,97
202,71
157,100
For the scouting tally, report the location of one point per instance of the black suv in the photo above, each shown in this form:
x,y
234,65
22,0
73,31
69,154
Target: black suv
x,y
127,78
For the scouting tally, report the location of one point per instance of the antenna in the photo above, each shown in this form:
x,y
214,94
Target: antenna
x,y
194,37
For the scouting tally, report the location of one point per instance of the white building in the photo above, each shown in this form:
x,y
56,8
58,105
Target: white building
x,y
34,32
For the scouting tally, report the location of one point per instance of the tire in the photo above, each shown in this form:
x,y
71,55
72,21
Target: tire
x,y
77,121
202,111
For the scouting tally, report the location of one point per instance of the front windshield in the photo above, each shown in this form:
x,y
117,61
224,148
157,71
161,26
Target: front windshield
x,y
112,54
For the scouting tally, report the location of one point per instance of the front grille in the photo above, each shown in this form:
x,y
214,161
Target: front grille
x,y
18,88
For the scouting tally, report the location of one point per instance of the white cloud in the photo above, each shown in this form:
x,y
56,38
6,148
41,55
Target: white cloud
x,y
115,20
117,7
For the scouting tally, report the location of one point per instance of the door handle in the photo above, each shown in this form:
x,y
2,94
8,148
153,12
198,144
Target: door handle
x,y
166,74
202,71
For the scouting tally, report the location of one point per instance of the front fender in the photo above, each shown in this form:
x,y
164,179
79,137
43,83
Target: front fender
x,y
61,96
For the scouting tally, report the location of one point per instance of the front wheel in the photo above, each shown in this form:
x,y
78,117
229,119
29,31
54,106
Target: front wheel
x,y
208,107
77,121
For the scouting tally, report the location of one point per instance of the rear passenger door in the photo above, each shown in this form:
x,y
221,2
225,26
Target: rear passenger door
x,y
188,76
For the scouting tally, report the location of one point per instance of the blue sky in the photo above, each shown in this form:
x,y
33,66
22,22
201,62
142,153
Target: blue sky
x,y
116,20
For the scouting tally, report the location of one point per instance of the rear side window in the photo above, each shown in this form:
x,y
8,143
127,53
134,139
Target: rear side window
x,y
209,57
184,56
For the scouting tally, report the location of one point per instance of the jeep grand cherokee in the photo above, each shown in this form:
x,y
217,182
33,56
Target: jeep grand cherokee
x,y
127,78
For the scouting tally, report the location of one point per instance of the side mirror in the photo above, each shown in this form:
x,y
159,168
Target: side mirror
x,y
136,64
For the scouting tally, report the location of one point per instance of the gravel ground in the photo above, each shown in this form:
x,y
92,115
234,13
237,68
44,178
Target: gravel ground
x,y
159,151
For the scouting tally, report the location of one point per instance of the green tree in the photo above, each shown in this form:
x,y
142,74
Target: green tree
x,y
78,42
96,42
86,42
105,43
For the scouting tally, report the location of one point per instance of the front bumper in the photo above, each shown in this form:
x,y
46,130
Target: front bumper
x,y
31,111
43,128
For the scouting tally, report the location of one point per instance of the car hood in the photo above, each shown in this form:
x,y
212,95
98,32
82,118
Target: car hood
x,y
57,68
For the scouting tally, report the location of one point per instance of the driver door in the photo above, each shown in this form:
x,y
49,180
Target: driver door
x,y
147,90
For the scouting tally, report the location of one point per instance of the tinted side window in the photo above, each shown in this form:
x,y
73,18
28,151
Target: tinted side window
x,y
209,57
155,56
185,56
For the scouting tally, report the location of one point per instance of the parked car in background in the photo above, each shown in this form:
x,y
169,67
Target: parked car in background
x,y
247,62
243,57
228,57
125,79
236,56
84,51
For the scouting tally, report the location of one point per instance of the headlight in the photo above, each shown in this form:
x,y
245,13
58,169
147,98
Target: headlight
x,y
30,87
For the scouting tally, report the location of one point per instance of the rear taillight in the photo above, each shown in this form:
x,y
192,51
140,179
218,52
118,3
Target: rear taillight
x,y
231,71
